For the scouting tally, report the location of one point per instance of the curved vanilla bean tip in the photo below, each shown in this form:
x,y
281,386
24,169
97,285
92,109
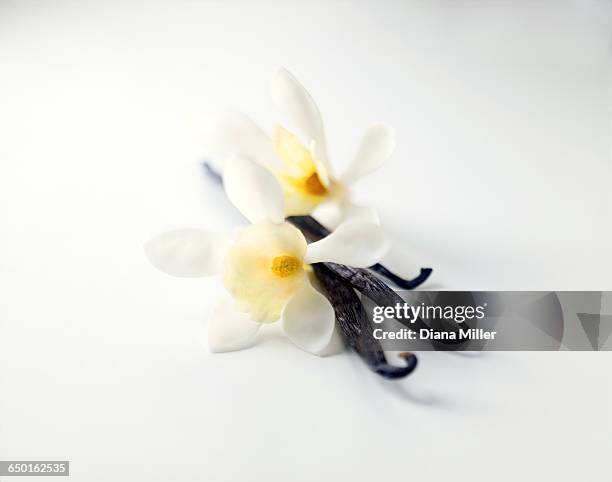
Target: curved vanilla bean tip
x,y
406,284
393,372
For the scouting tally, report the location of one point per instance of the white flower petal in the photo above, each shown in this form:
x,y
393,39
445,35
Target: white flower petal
x,y
352,212
329,214
232,133
253,190
187,252
333,213
229,329
302,114
335,346
377,144
308,320
353,243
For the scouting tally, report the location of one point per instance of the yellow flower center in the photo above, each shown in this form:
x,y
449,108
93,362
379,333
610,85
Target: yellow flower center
x,y
305,181
314,186
283,266
264,267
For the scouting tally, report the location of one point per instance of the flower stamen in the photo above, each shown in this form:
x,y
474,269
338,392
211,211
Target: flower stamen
x,y
285,265
314,185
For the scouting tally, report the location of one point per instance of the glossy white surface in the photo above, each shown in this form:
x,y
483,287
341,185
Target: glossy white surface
x,y
501,180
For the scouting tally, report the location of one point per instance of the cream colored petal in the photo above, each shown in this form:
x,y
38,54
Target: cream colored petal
x,y
328,214
353,243
297,159
254,190
333,213
229,329
298,204
352,212
301,182
336,344
248,274
187,252
297,106
377,144
232,133
308,320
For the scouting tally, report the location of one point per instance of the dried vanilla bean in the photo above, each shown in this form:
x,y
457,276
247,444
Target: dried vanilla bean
x,y
355,325
375,289
406,284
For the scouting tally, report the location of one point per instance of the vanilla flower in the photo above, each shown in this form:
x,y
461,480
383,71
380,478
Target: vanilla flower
x,y
265,266
297,155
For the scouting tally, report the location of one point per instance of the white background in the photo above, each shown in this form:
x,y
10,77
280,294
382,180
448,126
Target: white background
x,y
501,180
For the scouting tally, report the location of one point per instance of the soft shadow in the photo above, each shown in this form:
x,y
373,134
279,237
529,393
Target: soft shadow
x,y
401,390
405,390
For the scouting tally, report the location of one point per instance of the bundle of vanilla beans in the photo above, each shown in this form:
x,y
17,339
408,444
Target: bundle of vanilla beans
x,y
341,284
